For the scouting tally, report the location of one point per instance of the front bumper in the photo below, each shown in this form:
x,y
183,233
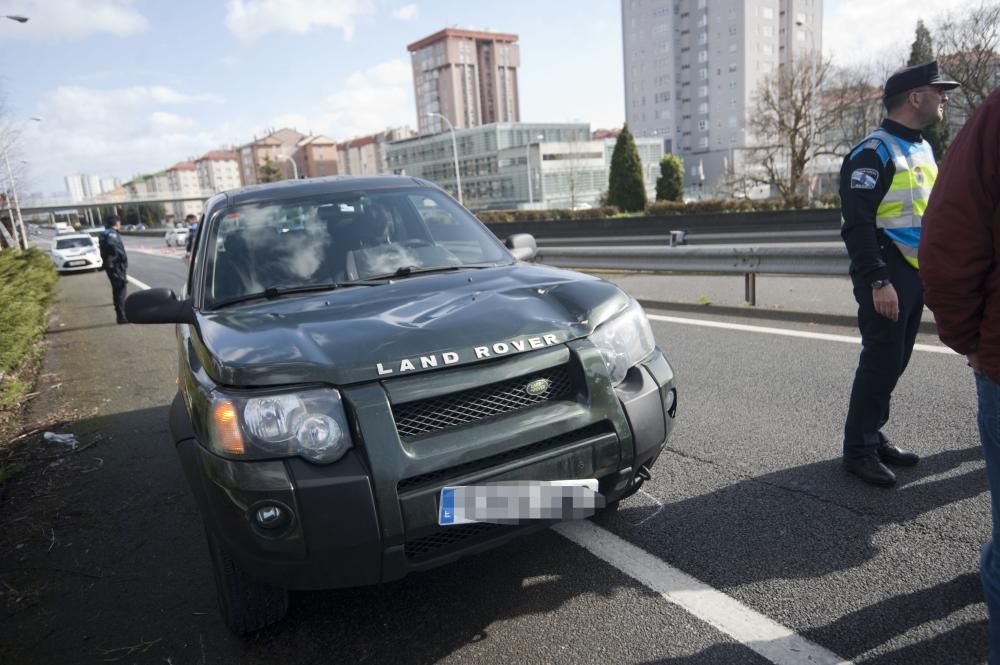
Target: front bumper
x,y
372,516
76,263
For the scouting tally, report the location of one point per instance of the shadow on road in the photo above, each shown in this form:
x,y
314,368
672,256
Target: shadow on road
x,y
812,522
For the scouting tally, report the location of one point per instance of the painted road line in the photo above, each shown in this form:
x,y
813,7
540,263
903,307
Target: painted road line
x,y
788,332
141,285
764,636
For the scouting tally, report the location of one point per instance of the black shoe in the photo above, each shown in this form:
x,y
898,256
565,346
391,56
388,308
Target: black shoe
x,y
871,470
122,320
890,454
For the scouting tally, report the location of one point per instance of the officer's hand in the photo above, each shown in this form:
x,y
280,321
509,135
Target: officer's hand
x,y
886,302
974,361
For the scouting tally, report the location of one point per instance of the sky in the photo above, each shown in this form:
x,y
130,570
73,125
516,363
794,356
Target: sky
x,y
124,87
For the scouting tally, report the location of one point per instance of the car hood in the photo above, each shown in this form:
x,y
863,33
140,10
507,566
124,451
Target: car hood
x,y
419,324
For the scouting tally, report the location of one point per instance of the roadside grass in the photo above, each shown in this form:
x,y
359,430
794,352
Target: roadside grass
x,y
27,281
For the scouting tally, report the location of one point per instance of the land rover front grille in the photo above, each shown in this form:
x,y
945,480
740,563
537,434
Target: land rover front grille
x,y
452,536
441,475
430,415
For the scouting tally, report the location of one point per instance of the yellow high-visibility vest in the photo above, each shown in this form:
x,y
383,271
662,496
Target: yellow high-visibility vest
x,y
902,209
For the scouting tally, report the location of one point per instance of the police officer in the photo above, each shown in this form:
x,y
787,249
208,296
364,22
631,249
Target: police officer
x,y
115,263
192,226
885,182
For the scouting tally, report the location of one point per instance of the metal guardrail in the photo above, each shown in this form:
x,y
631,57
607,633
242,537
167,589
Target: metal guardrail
x,y
748,261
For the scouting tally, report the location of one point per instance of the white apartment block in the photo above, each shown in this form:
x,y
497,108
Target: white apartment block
x,y
218,170
692,68
86,186
182,178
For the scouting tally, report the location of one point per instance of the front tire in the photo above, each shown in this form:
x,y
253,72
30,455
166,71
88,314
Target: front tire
x,y
247,604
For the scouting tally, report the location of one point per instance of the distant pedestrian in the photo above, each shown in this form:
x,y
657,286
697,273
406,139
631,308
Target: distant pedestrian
x,y
960,269
115,264
885,183
191,222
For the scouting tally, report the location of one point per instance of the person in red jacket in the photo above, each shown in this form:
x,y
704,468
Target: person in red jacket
x,y
960,268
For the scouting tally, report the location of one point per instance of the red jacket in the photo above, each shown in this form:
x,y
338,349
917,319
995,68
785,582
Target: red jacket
x,y
960,241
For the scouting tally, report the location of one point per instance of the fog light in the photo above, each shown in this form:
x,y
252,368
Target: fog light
x,y
271,517
670,402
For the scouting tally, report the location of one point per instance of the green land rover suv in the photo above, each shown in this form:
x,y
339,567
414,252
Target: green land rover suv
x,y
361,362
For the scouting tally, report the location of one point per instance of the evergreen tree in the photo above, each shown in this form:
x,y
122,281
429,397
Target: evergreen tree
x,y
921,51
626,188
670,184
269,171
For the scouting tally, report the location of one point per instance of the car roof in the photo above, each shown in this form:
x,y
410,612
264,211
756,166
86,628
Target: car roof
x,y
66,236
293,189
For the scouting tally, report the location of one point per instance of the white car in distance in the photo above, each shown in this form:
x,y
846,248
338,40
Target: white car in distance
x,y
176,237
76,251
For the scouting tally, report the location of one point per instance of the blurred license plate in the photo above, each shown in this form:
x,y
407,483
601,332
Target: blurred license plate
x,y
71,264
509,503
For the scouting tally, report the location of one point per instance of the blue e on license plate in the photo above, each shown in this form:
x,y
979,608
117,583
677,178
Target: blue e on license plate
x,y
511,502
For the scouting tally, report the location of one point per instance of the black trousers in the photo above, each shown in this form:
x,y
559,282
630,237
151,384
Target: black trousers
x,y
118,292
885,351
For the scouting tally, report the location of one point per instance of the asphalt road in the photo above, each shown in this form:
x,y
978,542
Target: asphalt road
x,y
749,499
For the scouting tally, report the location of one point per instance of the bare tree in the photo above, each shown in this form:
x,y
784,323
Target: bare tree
x,y
968,42
787,122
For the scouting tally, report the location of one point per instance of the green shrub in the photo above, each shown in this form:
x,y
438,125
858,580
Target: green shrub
x,y
26,287
501,216
626,188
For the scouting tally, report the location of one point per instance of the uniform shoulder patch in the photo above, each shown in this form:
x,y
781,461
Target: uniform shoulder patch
x,y
864,178
872,144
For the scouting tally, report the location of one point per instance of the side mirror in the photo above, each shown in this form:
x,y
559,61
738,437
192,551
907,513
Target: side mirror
x,y
522,246
158,306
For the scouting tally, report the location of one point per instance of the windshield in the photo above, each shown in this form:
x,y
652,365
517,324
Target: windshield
x,y
73,243
339,240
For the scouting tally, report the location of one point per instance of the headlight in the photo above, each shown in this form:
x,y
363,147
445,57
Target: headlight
x,y
624,341
310,424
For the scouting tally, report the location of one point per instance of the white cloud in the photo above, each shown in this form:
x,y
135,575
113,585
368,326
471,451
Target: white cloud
x,y
121,132
50,20
888,29
295,121
162,121
379,97
229,60
249,20
406,12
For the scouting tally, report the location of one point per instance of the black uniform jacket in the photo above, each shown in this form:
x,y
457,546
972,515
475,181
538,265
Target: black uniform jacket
x,y
113,252
864,180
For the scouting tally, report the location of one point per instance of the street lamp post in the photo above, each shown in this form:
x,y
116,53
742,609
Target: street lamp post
x,y
454,151
295,168
527,165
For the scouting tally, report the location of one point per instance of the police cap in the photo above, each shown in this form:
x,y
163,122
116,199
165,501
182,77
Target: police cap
x,y
917,76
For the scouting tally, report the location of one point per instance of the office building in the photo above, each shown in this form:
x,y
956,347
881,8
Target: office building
x,y
520,165
692,69
468,76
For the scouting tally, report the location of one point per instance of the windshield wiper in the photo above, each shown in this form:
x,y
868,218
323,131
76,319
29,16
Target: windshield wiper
x,y
273,292
407,271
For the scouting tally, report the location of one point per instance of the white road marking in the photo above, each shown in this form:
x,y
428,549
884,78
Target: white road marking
x,y
141,285
766,637
788,332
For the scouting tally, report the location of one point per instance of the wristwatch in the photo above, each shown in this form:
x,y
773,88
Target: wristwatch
x,y
879,283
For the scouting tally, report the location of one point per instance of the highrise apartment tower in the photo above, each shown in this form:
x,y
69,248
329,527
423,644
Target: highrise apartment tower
x,y
692,68
469,77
